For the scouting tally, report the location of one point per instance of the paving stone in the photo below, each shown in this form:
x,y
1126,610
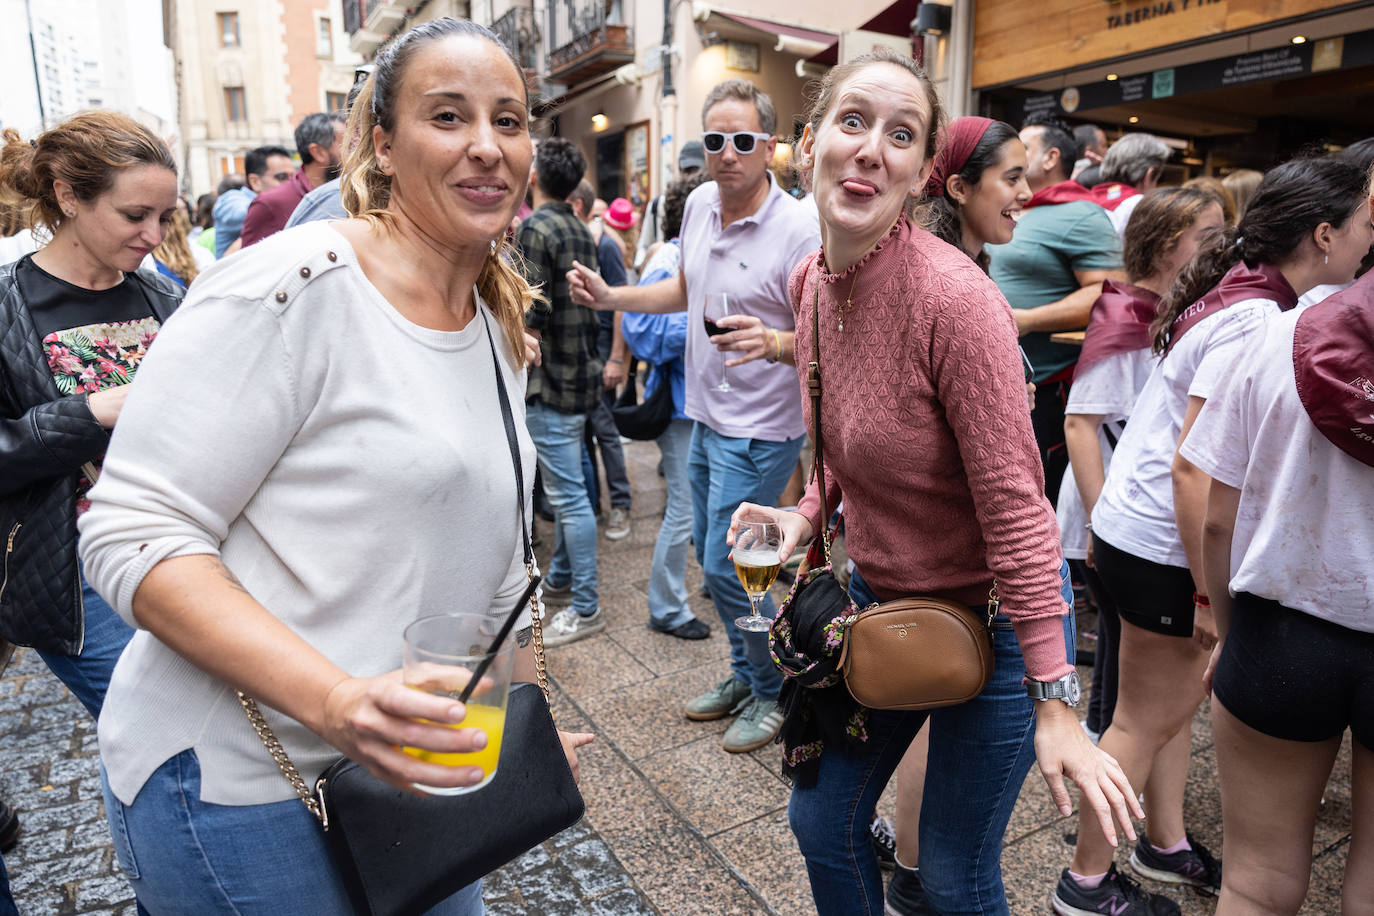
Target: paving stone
x,y
106,891
51,873
35,847
593,867
62,816
536,858
551,891
506,908
627,902
73,769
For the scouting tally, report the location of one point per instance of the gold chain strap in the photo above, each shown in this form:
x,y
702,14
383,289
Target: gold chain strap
x,y
541,668
288,769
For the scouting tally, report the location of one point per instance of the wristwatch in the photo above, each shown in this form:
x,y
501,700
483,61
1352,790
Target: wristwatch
x,y
1066,688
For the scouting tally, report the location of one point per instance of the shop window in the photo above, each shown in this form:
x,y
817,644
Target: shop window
x,y
235,106
229,30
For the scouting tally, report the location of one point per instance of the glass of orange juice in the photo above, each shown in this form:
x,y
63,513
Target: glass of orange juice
x,y
441,654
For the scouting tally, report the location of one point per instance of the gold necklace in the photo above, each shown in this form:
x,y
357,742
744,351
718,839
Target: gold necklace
x,y
849,300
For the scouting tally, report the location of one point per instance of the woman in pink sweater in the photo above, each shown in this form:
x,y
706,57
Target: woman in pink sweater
x,y
929,444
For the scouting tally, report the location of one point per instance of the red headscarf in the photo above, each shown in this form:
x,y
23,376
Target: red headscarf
x,y
960,139
1333,366
1263,281
1119,322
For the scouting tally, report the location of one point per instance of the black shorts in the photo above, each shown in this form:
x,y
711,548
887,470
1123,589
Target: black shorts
x,y
1296,677
1148,595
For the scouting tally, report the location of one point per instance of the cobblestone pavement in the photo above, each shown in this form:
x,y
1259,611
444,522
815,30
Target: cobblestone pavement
x,y
64,863
675,826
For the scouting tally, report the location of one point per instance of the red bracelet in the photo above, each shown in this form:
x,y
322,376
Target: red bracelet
x,y
1201,600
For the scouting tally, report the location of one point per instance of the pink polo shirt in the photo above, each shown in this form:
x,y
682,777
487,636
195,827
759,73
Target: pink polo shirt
x,y
750,260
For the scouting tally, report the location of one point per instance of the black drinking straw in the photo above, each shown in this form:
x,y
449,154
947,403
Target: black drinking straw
x,y
500,638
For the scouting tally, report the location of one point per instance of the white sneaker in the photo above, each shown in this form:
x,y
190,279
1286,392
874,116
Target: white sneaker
x,y
570,626
617,524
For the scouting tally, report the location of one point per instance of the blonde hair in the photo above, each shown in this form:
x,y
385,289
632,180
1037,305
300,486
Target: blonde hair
x,y
175,251
366,189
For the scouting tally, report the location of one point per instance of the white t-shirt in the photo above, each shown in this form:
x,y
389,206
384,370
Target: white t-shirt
x,y
1122,214
1318,293
1135,512
1107,388
1304,532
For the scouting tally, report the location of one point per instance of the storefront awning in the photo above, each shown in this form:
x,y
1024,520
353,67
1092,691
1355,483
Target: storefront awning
x,y
895,20
791,39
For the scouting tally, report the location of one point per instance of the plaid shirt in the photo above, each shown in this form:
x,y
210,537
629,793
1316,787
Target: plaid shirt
x,y
569,380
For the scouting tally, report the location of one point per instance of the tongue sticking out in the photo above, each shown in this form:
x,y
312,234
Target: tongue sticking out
x,y
858,187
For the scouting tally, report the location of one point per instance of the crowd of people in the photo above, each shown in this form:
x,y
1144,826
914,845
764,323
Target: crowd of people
x,y
1197,467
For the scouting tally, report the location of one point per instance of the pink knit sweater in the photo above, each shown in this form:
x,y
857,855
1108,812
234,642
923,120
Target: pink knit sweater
x,y
928,438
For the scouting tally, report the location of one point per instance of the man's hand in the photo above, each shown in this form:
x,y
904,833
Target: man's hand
x,y
613,374
586,287
747,335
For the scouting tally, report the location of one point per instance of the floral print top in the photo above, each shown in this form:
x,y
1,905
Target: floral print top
x,y
95,357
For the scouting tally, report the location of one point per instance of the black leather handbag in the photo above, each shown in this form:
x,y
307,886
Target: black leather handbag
x,y
643,421
401,854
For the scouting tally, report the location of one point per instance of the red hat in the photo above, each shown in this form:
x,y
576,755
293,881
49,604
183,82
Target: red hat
x,y
620,214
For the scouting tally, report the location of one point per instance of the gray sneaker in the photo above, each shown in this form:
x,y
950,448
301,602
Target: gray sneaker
x,y
757,725
556,594
617,524
717,702
570,626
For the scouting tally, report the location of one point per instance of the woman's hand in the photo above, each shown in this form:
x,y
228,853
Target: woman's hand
x,y
106,405
533,355
571,742
1030,396
1204,627
369,719
1212,667
796,529
1062,749
586,287
748,334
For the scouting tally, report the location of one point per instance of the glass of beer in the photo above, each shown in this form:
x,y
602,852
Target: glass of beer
x,y
756,563
441,654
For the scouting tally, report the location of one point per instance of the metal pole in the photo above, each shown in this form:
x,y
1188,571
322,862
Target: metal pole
x,y
33,56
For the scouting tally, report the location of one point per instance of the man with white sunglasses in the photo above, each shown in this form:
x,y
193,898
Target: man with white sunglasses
x,y
741,236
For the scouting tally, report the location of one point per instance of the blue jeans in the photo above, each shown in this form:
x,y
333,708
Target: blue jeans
x,y
726,472
980,752
667,591
183,855
558,438
7,907
87,675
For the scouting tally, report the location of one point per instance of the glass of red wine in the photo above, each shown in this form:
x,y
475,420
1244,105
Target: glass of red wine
x,y
718,306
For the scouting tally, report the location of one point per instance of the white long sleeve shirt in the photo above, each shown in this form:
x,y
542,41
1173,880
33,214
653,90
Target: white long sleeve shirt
x,y
349,467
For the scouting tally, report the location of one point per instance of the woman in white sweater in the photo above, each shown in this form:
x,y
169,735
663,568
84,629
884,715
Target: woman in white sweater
x,y
314,457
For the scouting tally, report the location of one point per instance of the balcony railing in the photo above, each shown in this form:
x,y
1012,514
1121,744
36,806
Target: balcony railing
x,y
352,16
518,29
586,39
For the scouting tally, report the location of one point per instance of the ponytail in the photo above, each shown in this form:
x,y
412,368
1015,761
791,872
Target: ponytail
x,y
1198,277
1292,200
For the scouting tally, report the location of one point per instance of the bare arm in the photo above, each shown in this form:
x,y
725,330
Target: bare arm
x,y
1085,455
1071,312
587,288
1190,505
1218,529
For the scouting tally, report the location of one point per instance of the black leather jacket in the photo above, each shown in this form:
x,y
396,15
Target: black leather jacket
x,y
44,439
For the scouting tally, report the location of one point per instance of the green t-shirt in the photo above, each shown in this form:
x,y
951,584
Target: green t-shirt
x,y
1037,267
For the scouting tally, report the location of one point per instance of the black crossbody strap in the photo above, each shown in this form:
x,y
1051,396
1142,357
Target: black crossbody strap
x,y
508,418
813,386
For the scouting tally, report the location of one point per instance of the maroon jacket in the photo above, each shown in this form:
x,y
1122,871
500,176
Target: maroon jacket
x,y
270,210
